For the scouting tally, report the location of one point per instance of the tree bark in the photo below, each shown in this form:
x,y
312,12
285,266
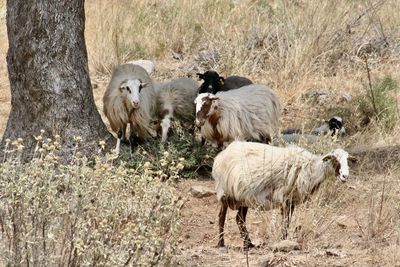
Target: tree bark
x,y
49,78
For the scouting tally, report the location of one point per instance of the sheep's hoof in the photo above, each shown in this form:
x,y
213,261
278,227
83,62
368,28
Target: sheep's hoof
x,y
134,143
221,244
165,144
203,141
125,141
120,133
248,245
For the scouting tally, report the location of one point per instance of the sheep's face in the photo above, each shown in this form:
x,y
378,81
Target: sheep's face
x,y
131,90
206,103
339,158
212,82
336,125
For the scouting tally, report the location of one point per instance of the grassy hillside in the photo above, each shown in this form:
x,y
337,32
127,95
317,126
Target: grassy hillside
x,y
323,58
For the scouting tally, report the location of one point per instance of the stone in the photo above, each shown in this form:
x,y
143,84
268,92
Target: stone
x,y
334,253
285,246
199,191
342,221
346,97
223,250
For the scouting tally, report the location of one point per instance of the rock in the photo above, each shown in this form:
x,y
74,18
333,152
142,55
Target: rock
x,y
266,260
318,95
177,56
285,246
342,221
334,252
346,97
208,58
223,250
317,92
199,191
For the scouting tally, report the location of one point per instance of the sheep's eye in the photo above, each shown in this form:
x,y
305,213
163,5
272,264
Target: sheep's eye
x,y
140,87
128,89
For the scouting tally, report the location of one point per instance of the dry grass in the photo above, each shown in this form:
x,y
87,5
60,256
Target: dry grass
x,y
293,46
358,222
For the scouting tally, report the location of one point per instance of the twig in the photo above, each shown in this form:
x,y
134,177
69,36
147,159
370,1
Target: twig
x,y
382,199
338,35
374,6
370,85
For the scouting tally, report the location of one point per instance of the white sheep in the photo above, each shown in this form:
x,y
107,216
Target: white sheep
x,y
258,175
175,99
251,112
130,99
144,63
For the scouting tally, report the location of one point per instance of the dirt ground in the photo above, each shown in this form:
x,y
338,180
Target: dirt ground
x,y
341,245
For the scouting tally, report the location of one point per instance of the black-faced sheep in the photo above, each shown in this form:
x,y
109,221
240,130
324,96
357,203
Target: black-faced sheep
x,y
334,126
175,99
214,83
258,175
130,99
251,112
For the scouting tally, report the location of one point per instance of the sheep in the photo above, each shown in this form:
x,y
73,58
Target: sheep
x,y
214,83
175,99
129,99
251,112
250,174
334,126
295,138
144,63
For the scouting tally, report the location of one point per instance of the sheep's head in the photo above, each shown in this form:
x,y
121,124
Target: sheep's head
x,y
212,82
339,159
336,125
206,104
131,90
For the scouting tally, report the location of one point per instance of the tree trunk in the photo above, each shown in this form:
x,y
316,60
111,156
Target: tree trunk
x,y
49,77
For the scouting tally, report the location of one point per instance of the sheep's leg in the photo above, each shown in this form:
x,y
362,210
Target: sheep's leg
x,y
123,135
134,141
267,139
119,137
120,133
221,217
287,213
165,124
220,146
241,222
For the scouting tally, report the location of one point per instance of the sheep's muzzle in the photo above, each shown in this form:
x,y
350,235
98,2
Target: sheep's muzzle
x,y
135,104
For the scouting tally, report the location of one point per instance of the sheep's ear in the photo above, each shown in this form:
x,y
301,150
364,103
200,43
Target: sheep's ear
x,y
144,84
329,157
200,75
334,161
122,86
221,80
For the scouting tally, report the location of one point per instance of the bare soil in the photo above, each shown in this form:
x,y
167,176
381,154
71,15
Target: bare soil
x,y
341,245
